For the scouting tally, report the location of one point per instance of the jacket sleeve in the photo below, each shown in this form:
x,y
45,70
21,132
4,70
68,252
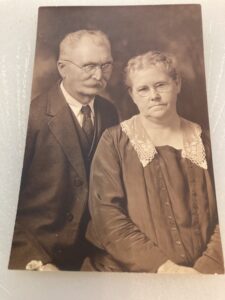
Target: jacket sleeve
x,y
25,247
116,232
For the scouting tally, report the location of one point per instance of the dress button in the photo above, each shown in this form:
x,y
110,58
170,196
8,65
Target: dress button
x,y
195,206
69,217
167,203
178,243
173,228
182,255
78,182
171,222
170,217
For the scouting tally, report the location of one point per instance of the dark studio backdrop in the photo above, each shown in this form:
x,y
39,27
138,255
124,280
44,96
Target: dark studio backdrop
x,y
132,30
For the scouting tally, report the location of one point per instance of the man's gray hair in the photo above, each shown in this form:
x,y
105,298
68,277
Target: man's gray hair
x,y
72,39
151,58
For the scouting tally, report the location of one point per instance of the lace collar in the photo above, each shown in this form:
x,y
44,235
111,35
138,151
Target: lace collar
x,y
193,148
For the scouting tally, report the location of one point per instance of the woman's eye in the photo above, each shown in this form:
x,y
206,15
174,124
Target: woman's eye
x,y
161,84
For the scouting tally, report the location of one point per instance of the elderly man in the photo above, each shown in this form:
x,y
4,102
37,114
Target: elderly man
x,y
65,125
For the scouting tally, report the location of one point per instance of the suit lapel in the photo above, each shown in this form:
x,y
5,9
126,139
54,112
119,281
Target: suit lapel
x,y
98,114
98,126
62,127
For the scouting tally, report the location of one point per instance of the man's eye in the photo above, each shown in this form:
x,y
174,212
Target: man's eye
x,y
143,89
106,66
89,67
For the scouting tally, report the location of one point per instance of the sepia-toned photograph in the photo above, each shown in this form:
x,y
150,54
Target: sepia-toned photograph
x,y
117,173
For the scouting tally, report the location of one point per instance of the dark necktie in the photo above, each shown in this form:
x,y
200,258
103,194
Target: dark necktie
x,y
87,124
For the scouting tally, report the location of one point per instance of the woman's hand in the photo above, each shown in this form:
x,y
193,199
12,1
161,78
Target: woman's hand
x,y
172,268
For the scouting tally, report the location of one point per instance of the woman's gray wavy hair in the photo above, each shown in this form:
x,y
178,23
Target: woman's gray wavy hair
x,y
149,59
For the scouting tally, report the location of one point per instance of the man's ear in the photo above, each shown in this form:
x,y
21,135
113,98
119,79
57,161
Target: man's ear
x,y
130,92
61,68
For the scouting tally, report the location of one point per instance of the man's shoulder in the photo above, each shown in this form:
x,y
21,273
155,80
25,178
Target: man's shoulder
x,y
107,112
40,101
106,108
100,101
38,116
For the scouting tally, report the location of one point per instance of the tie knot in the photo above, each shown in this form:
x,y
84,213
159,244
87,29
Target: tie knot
x,y
86,110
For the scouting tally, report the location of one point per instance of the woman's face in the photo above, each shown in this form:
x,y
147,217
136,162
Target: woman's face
x,y
154,92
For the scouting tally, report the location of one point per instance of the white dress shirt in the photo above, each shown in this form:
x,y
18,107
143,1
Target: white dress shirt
x,y
76,106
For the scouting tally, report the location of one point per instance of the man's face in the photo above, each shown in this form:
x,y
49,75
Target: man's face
x,y
154,92
80,83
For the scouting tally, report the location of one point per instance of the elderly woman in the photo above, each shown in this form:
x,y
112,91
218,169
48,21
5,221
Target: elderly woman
x,y
152,201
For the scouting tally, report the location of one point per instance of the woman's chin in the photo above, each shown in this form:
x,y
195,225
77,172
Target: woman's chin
x,y
158,115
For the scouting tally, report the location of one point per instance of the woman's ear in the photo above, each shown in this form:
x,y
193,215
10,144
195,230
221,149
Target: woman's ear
x,y
61,68
178,82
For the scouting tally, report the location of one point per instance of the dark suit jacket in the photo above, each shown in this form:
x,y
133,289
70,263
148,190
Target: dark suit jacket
x,y
54,187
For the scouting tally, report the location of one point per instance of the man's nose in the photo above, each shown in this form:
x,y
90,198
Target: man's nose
x,y
98,73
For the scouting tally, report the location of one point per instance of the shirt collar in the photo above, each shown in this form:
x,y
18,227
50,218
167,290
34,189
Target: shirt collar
x,y
75,103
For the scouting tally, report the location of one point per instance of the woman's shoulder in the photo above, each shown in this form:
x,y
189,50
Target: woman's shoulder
x,y
123,128
196,129
196,134
119,136
113,135
190,127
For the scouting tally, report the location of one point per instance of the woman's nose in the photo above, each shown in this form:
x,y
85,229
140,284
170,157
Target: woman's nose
x,y
154,94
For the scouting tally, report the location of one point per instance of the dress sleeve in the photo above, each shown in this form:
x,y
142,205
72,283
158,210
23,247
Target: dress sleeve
x,y
116,232
211,261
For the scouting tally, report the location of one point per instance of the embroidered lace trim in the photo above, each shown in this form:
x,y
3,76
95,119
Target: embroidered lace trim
x,y
193,148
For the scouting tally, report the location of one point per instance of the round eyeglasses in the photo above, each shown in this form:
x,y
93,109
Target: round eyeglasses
x,y
159,87
92,68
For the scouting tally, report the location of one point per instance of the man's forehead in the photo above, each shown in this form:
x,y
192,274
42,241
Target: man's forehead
x,y
87,49
87,42
93,40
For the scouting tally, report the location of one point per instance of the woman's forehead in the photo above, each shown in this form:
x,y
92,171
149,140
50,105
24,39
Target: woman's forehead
x,y
150,73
